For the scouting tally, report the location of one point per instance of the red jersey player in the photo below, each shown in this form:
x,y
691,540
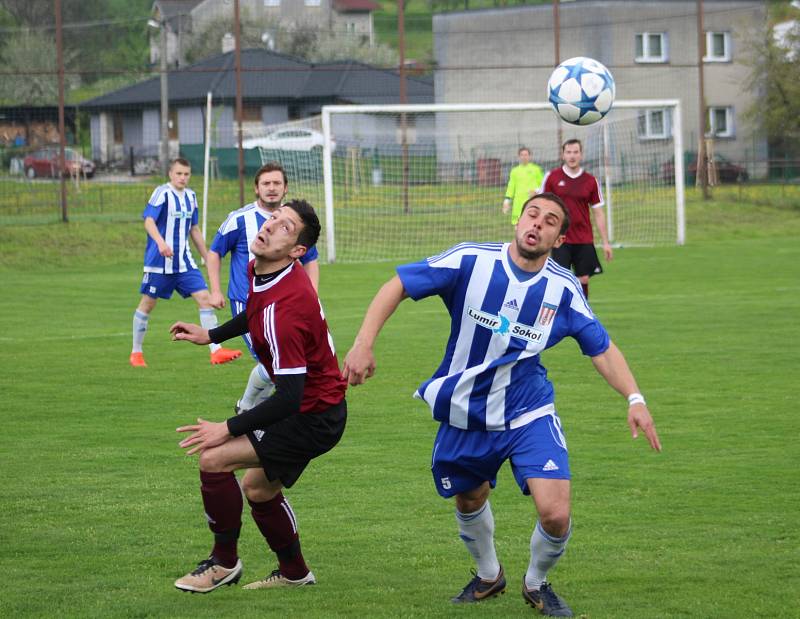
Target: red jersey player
x,y
581,192
304,418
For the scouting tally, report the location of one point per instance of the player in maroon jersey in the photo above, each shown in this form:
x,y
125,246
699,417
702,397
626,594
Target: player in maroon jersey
x,y
581,192
304,418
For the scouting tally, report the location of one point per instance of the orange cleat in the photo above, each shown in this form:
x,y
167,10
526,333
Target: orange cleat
x,y
223,355
137,360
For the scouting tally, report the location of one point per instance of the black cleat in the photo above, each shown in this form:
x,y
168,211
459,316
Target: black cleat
x,y
478,589
546,601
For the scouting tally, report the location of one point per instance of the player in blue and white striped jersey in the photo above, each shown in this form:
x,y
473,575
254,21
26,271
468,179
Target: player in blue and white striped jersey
x,y
235,236
170,219
507,303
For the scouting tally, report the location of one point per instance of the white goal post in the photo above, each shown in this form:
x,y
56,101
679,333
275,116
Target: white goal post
x,y
403,180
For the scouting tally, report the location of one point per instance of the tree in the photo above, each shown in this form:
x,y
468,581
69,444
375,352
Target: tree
x,y
30,59
775,76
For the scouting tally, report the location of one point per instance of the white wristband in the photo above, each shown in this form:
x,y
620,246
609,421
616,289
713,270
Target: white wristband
x,y
636,398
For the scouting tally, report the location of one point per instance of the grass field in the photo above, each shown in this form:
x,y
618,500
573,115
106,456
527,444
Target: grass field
x,y
101,510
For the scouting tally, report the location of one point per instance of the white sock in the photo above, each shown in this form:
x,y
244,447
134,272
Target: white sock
x,y
546,550
208,320
139,329
477,532
259,387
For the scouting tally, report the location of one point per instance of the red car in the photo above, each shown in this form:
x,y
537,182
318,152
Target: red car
x,y
44,162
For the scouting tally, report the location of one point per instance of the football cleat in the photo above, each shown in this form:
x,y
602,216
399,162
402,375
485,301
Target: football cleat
x,y
276,579
479,589
137,360
209,575
546,601
224,355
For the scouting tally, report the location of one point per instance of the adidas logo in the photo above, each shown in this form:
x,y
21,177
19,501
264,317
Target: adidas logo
x,y
550,466
512,305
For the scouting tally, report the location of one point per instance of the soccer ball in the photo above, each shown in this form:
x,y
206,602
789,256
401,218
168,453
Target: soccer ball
x,y
581,90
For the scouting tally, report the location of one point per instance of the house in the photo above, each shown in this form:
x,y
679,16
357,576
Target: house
x,y
650,46
183,18
276,88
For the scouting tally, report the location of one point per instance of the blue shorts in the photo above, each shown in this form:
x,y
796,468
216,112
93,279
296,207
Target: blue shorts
x,y
160,286
237,307
463,459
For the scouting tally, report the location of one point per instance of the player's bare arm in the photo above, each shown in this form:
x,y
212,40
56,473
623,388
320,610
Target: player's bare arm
x,y
206,434
359,364
199,241
152,229
611,365
600,222
312,270
214,265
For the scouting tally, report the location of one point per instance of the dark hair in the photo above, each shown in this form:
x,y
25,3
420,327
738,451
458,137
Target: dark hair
x,y
572,141
271,166
525,148
310,233
181,161
551,197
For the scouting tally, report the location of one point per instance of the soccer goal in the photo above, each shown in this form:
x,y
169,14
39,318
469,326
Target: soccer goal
x,y
405,181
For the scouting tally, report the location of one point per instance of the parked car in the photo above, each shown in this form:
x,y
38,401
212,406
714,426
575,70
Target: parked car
x,y
289,139
727,171
44,162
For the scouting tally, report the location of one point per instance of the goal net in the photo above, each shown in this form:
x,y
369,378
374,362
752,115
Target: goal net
x,y
403,182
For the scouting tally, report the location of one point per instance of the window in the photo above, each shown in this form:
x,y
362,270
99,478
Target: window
x,y
720,122
272,3
718,47
651,47
654,124
312,2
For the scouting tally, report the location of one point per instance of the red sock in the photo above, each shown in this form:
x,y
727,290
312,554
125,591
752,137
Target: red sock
x,y
585,290
222,499
277,523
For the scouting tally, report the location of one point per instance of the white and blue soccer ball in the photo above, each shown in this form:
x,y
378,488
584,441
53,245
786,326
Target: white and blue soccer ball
x,y
581,90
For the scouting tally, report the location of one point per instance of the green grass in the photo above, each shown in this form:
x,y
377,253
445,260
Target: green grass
x,y
101,511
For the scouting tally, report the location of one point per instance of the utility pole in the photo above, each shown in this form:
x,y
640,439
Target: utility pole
x,y
401,44
557,59
61,129
237,32
702,159
164,98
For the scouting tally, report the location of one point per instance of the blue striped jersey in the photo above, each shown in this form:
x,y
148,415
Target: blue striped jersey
x,y
491,373
174,212
236,235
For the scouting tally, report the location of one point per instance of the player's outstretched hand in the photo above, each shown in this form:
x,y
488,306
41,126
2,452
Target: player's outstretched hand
x,y
639,418
217,300
207,434
190,332
359,365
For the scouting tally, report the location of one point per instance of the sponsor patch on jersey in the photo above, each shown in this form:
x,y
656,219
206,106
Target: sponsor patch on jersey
x,y
502,325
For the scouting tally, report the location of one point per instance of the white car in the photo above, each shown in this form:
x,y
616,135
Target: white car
x,y
289,139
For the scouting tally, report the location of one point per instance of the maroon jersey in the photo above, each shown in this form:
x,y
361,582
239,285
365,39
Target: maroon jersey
x,y
579,194
290,336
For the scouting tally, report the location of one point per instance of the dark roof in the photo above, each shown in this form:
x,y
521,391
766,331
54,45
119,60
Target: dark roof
x,y
343,6
270,76
174,8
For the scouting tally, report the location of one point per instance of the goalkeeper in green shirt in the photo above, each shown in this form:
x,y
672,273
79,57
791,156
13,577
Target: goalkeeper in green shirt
x,y
523,182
